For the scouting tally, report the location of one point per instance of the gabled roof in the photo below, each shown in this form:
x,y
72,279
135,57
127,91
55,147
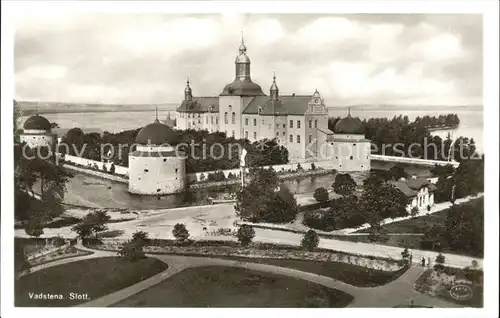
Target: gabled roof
x,y
199,105
285,105
411,187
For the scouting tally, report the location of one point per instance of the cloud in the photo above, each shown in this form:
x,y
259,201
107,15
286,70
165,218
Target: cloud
x,y
145,58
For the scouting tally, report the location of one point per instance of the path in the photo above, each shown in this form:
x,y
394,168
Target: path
x,y
398,292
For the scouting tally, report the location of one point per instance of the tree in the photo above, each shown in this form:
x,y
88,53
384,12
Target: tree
x,y
321,195
94,222
405,254
259,201
440,259
34,228
464,227
310,240
398,171
245,234
344,184
132,251
180,232
140,237
414,212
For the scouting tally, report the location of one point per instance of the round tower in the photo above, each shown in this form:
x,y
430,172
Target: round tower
x,y
155,167
38,133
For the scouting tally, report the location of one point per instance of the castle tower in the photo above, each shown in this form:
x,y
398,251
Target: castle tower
x,y
37,132
155,168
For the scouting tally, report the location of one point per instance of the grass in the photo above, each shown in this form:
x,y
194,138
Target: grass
x,y
215,286
415,225
347,273
95,277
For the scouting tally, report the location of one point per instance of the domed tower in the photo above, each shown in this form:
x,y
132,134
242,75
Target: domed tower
x,y
37,132
242,84
351,148
155,167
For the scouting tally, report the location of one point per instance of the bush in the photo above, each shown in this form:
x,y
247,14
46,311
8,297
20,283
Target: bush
x,y
321,194
310,240
405,254
245,234
414,212
313,166
140,237
58,241
180,232
299,168
131,251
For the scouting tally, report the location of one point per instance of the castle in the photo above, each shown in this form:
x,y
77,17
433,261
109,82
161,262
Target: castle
x,y
300,123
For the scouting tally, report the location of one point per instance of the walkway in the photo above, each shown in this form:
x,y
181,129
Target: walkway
x,y
398,292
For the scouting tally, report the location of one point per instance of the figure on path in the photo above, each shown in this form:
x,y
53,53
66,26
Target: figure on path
x,y
423,261
411,258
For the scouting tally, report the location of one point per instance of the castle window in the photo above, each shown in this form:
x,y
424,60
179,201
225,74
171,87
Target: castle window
x,y
199,121
255,122
216,120
206,120
284,125
232,133
255,135
233,118
246,121
176,170
291,123
225,118
350,157
262,121
298,139
246,134
146,170
310,138
164,160
291,138
277,133
298,123
158,190
277,126
283,134
354,145
316,123
310,123
212,120
259,110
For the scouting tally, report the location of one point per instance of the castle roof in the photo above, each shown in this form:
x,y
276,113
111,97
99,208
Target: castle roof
x,y
285,105
349,125
37,122
156,134
199,105
243,87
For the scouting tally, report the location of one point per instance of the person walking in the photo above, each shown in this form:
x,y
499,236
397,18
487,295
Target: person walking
x,y
428,262
423,261
411,259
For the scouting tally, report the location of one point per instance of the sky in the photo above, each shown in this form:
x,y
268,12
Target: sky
x,y
126,58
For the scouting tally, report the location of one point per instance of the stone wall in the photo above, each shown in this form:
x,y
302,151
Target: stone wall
x,y
96,173
86,162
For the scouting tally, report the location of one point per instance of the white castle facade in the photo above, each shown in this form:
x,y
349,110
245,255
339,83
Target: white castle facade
x,y
300,123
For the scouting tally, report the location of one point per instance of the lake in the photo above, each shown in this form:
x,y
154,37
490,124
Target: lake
x,y
471,121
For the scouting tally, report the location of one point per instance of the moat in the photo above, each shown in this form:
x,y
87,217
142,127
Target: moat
x,y
88,191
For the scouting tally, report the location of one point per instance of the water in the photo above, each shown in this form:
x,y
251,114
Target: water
x,y
471,121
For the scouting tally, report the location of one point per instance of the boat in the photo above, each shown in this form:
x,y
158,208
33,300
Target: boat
x,y
223,198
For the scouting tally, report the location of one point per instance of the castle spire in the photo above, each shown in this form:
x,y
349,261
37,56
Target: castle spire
x,y
36,109
274,91
188,93
156,119
349,111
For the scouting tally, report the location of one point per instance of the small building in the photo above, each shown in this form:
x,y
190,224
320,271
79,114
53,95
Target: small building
x,y
420,192
350,147
155,167
37,132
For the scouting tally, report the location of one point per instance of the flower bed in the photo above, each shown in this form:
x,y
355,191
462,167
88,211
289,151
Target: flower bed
x,y
68,252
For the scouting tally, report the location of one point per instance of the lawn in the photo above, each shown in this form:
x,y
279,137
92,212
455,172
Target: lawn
x,y
95,277
416,225
347,273
215,286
